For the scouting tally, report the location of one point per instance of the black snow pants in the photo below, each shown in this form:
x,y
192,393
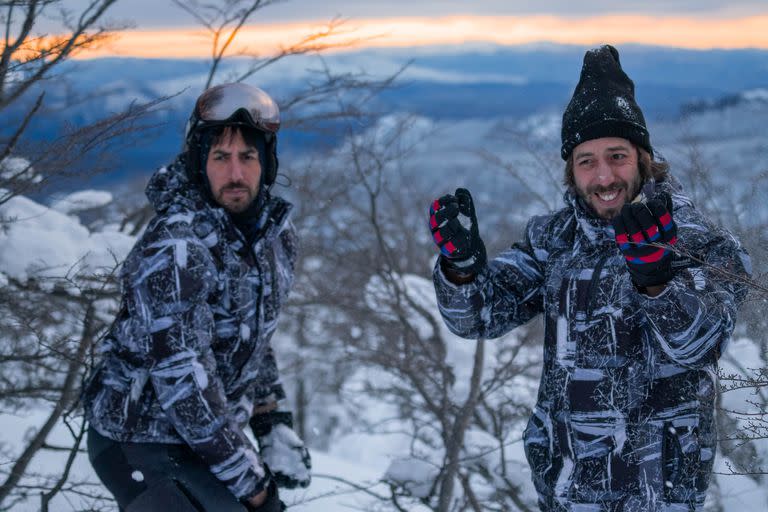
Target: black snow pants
x,y
156,477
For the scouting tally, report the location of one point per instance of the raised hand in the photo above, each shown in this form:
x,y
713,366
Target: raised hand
x,y
462,249
645,234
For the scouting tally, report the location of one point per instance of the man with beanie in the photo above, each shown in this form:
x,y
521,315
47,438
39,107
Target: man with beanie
x,y
187,363
639,293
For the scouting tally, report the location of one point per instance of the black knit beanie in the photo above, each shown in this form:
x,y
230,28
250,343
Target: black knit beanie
x,y
603,104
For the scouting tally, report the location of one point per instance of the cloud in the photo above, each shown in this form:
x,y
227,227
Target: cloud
x,y
149,14
678,31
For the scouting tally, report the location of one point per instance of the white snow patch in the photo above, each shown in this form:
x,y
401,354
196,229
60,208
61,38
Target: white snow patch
x,y
414,475
312,264
41,242
16,168
755,95
83,200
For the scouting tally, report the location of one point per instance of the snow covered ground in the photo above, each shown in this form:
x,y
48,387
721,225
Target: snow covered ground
x,y
345,476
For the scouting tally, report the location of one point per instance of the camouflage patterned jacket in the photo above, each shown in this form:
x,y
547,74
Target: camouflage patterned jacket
x,y
188,356
624,415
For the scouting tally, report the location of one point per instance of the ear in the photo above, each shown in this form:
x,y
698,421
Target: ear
x,y
272,163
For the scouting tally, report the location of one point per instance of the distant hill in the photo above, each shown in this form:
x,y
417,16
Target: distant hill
x,y
441,83
759,96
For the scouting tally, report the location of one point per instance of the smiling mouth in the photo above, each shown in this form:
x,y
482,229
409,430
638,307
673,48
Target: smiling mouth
x,y
607,196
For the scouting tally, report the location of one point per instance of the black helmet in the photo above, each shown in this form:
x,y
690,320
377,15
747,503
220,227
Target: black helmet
x,y
234,104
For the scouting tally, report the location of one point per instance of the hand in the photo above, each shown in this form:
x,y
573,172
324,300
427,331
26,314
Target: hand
x,y
259,499
281,450
266,501
462,249
644,233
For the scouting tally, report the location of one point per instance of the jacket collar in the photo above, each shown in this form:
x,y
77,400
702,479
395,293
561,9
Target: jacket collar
x,y
595,230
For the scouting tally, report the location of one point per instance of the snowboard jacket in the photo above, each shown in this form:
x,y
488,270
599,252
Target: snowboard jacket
x,y
188,356
624,415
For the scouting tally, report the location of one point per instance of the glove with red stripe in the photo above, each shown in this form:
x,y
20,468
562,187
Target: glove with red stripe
x,y
462,249
645,233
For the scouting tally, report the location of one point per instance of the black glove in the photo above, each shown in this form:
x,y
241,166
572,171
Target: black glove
x,y
644,234
281,450
462,249
271,504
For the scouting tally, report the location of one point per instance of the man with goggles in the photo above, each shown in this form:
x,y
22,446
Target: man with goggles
x,y
187,363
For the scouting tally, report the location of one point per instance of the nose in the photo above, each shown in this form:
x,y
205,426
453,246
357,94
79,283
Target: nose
x,y
236,170
604,172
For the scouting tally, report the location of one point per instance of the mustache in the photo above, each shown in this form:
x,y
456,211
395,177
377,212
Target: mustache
x,y
235,186
599,189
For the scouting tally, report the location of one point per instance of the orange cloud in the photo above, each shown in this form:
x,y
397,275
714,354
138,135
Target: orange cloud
x,y
695,33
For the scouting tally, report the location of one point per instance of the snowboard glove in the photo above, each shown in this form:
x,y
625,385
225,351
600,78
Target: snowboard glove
x,y
462,249
645,233
281,450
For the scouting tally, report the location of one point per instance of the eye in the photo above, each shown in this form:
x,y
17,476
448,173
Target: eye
x,y
584,162
618,156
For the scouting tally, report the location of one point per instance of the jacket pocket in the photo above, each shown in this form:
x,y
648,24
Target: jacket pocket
x,y
538,443
681,462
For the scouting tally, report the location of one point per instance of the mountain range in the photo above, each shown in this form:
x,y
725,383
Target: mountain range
x,y
439,83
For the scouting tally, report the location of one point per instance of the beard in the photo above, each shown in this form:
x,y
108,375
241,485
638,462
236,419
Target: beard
x,y
631,189
235,197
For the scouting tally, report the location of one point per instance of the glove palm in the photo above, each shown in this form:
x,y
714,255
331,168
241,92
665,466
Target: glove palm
x,y
281,449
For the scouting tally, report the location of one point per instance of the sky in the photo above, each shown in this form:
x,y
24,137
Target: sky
x,y
162,29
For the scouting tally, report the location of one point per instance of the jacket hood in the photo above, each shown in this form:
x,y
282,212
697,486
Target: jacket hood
x,y
171,186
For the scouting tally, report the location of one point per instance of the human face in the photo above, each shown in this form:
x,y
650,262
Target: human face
x,y
606,174
234,172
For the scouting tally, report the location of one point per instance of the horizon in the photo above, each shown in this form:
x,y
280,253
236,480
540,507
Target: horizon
x,y
453,31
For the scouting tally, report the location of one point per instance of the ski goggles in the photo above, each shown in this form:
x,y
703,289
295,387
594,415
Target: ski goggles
x,y
235,103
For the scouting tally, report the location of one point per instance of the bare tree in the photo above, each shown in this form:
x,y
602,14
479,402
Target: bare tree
x,y
361,217
28,61
46,365
50,317
743,402
225,20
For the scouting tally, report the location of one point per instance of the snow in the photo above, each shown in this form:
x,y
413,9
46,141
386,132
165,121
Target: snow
x,y
16,168
414,475
416,288
624,105
330,490
43,243
82,200
755,95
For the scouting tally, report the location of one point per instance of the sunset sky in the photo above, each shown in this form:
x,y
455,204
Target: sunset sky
x,y
163,30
